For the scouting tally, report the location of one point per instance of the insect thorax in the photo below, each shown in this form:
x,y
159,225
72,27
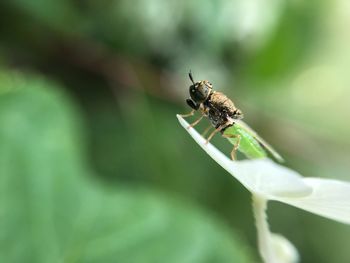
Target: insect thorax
x,y
217,118
220,110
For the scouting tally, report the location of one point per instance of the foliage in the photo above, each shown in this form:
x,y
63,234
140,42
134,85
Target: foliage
x,y
125,64
52,210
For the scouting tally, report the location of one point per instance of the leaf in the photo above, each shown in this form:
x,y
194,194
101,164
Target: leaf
x,y
324,197
52,211
329,198
260,176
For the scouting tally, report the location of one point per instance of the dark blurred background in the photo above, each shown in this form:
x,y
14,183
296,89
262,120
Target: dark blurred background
x,y
94,165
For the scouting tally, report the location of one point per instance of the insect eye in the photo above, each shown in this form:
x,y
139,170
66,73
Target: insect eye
x,y
199,92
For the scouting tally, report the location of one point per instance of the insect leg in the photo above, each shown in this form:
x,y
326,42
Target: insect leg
x,y
196,122
235,147
212,135
214,132
188,115
206,130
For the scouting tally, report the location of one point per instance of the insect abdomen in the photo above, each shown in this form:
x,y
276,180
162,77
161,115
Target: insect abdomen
x,y
248,145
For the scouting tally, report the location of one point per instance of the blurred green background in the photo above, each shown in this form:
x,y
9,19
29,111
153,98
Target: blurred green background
x,y
94,166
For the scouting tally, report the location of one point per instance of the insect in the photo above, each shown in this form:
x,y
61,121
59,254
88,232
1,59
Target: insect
x,y
226,119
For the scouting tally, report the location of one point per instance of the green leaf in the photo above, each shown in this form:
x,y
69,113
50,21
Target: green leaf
x,y
53,211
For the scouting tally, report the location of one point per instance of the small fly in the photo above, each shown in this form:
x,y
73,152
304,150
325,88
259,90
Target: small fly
x,y
226,119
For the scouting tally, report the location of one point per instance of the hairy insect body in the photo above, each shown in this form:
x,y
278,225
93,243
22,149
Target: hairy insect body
x,y
220,110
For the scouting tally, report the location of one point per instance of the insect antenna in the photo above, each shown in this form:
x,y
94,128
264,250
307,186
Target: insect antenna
x,y
191,77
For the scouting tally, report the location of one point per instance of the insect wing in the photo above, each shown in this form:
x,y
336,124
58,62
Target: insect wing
x,y
267,146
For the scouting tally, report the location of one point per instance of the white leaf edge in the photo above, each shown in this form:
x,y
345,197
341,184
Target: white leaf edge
x,y
330,198
325,197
